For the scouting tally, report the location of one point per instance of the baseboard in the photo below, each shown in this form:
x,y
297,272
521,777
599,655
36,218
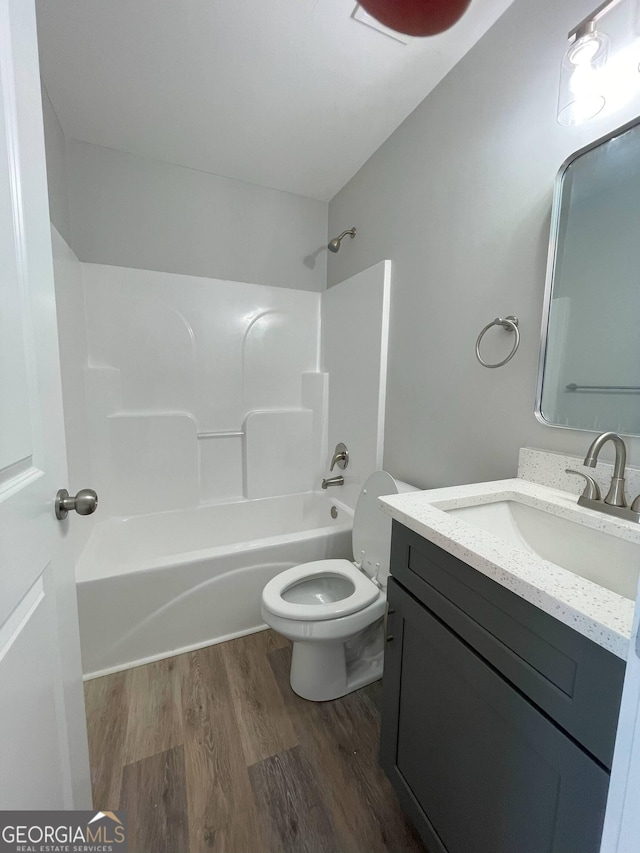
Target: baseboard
x,y
181,651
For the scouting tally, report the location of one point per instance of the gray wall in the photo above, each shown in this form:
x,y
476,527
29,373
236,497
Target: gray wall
x,y
56,169
137,212
459,198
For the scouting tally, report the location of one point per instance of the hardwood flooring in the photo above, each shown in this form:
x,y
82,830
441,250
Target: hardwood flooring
x,y
212,752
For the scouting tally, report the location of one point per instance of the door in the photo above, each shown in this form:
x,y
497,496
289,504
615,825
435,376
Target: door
x,y
43,748
622,821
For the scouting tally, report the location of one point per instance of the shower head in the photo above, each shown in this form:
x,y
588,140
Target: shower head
x,y
334,245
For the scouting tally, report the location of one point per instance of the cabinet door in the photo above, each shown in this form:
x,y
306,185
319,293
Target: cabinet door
x,y
478,767
571,679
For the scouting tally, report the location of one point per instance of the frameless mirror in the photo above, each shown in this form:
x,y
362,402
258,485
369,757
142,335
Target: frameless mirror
x,y
589,374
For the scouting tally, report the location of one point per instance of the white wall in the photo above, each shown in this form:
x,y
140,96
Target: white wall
x,y
198,390
55,149
459,198
166,410
355,327
133,211
159,416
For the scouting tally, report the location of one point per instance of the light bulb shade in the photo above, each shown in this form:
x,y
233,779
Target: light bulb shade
x,y
416,17
581,94
592,49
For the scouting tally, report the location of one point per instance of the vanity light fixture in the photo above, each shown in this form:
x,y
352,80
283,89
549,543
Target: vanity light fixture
x,y
581,95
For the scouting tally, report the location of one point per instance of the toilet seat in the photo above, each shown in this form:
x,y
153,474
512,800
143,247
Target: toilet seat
x,y
364,591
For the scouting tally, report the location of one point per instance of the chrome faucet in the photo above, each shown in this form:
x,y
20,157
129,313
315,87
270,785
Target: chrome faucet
x,y
615,502
333,481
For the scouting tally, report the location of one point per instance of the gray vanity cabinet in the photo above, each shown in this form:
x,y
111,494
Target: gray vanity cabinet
x,y
478,764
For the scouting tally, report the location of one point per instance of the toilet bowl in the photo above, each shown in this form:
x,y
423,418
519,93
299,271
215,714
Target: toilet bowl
x,y
333,610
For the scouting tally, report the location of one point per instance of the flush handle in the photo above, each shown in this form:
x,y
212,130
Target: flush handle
x,y
84,503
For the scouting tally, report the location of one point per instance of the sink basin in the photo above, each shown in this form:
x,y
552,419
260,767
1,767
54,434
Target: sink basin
x,y
592,554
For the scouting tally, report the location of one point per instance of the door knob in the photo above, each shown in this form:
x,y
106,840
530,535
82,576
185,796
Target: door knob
x,y
84,503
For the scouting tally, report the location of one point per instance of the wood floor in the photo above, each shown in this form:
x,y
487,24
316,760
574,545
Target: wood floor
x,y
212,751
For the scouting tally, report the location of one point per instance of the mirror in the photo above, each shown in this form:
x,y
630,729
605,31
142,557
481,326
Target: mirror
x,y
589,374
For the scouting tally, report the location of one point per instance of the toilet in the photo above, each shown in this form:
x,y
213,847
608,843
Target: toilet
x,y
333,610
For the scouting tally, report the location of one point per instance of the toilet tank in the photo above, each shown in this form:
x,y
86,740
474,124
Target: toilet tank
x,y
404,487
372,526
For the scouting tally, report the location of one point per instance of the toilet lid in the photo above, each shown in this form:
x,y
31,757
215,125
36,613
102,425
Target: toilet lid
x,y
372,526
363,591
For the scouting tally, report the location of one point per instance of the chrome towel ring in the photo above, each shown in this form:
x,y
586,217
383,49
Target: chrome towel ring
x,y
510,323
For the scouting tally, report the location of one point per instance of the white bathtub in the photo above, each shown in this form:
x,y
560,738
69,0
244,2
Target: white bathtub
x,y
156,585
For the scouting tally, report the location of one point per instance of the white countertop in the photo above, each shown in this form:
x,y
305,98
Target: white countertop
x,y
599,614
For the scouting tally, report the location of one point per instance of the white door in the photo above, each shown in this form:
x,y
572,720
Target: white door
x,y
622,822
43,746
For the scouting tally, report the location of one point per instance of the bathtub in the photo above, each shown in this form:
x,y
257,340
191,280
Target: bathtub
x,y
151,586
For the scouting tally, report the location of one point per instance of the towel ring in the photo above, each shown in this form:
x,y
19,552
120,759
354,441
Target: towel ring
x,y
510,323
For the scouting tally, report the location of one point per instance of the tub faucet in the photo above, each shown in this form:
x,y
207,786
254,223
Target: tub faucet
x,y
333,481
615,495
340,457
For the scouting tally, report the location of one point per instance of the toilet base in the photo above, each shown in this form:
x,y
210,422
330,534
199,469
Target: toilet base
x,y
324,671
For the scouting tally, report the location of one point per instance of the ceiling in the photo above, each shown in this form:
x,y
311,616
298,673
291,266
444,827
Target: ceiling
x,y
290,94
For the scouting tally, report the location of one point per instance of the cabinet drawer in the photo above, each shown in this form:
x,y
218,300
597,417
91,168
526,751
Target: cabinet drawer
x,y
483,770
572,679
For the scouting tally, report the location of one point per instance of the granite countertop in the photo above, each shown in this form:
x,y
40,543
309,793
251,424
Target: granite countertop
x,y
594,611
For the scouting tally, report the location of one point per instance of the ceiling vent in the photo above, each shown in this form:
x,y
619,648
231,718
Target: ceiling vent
x,y
368,20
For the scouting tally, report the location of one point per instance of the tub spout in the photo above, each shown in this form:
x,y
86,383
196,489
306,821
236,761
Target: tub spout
x,y
333,481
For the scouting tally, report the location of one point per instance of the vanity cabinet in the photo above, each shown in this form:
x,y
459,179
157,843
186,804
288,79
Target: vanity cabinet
x,y
498,720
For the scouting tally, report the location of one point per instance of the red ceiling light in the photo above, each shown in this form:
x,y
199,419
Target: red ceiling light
x,y
417,17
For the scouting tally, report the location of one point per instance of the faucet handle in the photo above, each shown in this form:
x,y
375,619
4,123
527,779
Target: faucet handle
x,y
591,488
635,506
338,457
341,456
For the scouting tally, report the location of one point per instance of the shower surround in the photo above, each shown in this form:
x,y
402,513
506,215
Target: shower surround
x,y
200,390
202,411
